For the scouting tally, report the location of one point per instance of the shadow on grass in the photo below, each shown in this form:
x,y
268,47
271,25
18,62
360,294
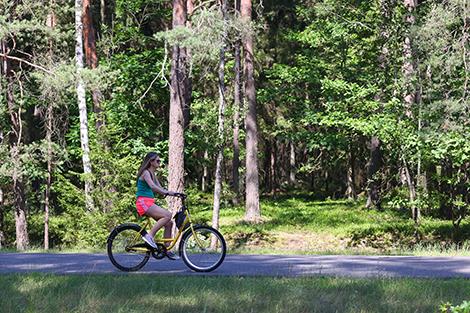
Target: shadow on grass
x,y
407,235
137,293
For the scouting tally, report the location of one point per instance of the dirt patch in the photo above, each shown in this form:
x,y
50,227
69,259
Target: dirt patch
x,y
307,241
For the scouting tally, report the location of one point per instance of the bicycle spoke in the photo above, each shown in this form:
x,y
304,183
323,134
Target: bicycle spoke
x,y
203,250
125,249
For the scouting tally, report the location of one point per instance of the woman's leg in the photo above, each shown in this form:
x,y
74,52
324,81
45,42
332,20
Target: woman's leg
x,y
163,218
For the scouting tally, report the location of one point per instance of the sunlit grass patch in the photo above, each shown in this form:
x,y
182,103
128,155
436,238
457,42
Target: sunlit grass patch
x,y
300,225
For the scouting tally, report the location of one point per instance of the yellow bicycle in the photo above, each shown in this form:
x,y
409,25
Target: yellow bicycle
x,y
202,248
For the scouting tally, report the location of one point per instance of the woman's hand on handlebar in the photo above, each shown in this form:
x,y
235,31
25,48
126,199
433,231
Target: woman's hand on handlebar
x,y
176,194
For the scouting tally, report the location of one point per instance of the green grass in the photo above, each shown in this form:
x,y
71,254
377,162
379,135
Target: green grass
x,y
138,293
299,225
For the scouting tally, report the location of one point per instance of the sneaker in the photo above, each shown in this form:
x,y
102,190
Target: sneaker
x,y
172,256
149,240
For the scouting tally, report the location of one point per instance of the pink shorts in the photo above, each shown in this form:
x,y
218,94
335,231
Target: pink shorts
x,y
143,204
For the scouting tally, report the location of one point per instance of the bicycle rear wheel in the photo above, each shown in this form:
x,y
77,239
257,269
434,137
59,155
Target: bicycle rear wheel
x,y
204,249
126,250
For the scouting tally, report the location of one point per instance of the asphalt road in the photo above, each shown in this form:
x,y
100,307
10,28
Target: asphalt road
x,y
249,265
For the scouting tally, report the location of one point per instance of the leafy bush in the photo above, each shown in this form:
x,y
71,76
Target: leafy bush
x,y
448,308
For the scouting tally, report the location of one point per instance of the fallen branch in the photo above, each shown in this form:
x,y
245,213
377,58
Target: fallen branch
x,y
26,62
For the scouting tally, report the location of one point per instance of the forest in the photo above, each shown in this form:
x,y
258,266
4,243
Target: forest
x,y
243,100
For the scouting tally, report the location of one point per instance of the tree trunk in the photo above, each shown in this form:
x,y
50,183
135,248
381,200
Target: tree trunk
x,y
178,98
408,63
189,81
2,207
292,164
415,213
374,164
373,196
273,165
22,239
253,212
410,95
351,188
51,23
205,172
267,181
221,118
237,104
91,57
2,220
81,99
103,12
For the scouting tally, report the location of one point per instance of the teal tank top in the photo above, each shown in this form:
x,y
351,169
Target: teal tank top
x,y
143,189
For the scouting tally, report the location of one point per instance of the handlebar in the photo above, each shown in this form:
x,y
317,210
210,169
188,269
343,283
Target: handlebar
x,y
179,195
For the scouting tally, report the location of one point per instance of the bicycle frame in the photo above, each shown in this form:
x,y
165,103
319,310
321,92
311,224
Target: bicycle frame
x,y
174,240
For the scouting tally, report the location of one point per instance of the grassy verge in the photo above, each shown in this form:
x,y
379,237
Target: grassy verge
x,y
113,293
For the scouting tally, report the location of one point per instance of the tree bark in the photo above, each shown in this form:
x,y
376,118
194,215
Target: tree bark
x,y
253,212
408,63
351,188
373,196
189,81
22,239
221,119
205,172
237,104
2,220
178,98
103,12
273,165
91,57
47,193
81,99
292,179
51,23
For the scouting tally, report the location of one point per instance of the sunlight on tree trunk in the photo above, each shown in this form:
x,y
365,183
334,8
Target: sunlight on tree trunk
x,y
178,99
220,130
253,212
81,98
237,105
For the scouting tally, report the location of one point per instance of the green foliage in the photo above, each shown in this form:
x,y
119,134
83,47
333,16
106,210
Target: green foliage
x,y
462,308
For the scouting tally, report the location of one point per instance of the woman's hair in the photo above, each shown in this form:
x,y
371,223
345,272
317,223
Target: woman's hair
x,y
146,162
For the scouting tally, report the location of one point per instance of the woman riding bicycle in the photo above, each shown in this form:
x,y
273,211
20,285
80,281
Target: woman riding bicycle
x,y
147,184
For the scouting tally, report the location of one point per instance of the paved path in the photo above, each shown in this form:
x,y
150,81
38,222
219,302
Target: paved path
x,y
249,265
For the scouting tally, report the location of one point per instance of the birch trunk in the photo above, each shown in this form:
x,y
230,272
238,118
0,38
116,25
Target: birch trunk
x,y
2,223
47,192
292,164
253,212
205,171
237,104
351,189
103,12
178,98
82,105
408,64
220,131
410,95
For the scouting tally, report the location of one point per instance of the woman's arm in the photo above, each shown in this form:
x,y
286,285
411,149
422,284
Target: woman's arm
x,y
155,185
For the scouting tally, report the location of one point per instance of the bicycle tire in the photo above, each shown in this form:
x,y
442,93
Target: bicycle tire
x,y
206,258
118,248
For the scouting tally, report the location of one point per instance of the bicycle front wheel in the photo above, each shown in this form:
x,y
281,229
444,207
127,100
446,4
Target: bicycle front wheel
x,y
203,249
126,250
